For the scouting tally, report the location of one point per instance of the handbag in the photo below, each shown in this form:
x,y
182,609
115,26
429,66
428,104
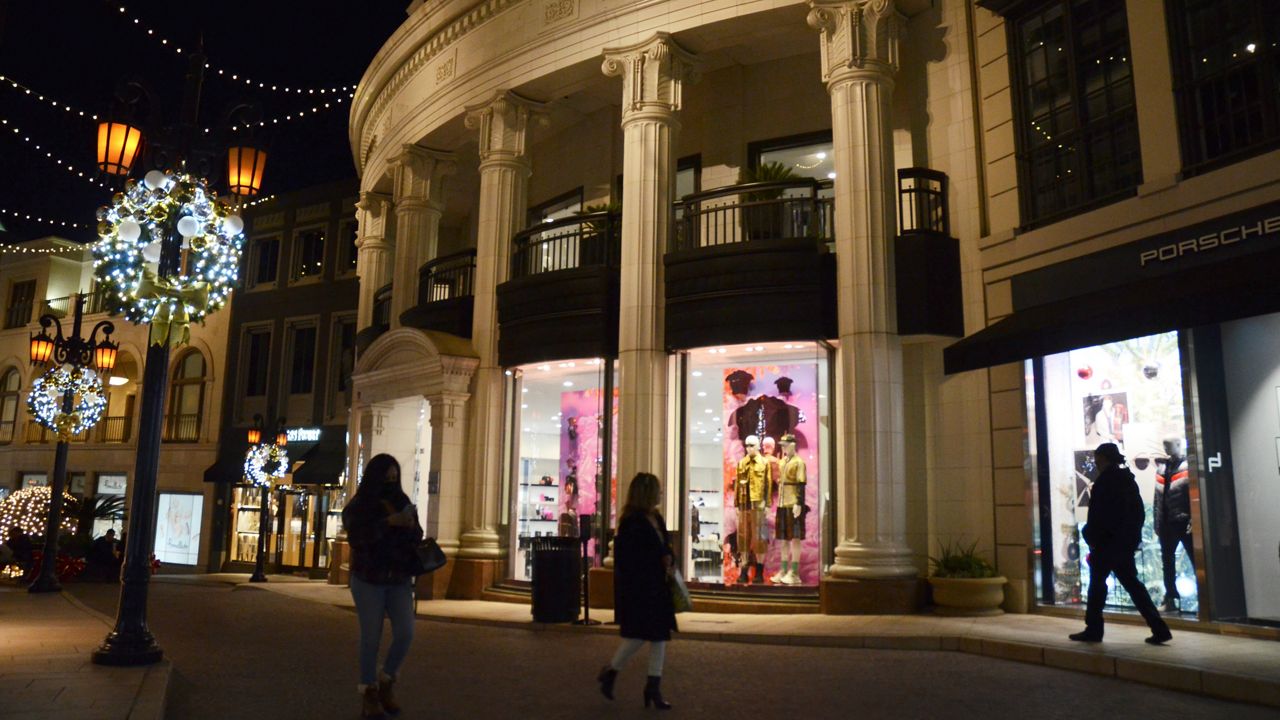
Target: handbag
x,y
680,600
428,557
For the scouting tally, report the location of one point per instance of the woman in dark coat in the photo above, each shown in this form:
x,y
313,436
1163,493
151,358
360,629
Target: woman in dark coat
x,y
383,530
641,593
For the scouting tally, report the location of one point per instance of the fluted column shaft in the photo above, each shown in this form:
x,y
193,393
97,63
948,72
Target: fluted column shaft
x,y
373,252
419,202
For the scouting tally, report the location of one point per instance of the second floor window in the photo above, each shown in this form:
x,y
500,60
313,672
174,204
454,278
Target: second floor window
x,y
256,364
9,397
22,298
186,399
1077,128
264,257
302,359
347,251
308,253
1227,76
342,362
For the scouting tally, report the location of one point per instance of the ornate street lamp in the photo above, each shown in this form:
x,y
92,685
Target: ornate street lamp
x,y
264,462
169,256
77,409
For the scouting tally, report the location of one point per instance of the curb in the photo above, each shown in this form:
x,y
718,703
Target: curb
x,y
153,694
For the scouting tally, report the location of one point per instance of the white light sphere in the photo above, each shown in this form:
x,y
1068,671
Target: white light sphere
x,y
234,224
154,179
151,253
187,226
129,230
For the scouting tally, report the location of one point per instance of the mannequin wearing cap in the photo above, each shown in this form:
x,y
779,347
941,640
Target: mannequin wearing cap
x,y
1172,513
790,518
752,493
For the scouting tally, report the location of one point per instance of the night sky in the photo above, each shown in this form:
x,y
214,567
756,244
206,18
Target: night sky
x,y
77,51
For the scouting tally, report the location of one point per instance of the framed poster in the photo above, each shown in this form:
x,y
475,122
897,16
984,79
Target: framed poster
x,y
113,484
178,518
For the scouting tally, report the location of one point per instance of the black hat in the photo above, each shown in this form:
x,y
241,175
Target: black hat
x,y
1110,452
739,381
784,384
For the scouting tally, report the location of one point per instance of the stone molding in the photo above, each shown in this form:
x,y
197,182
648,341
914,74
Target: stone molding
x,y
418,175
405,362
856,35
372,211
502,125
653,74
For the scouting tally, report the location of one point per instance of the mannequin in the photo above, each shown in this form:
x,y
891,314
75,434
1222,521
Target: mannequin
x,y
790,517
1172,511
753,493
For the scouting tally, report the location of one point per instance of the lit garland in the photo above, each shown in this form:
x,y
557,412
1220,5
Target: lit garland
x,y
29,509
264,462
87,403
60,105
315,109
57,161
128,256
47,221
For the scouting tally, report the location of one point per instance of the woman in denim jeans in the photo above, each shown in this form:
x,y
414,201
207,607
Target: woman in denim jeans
x,y
382,528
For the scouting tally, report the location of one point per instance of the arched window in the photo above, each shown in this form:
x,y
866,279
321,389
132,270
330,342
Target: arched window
x,y
186,398
9,398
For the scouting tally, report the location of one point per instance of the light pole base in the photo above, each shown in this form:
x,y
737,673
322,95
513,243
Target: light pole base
x,y
257,577
44,584
122,650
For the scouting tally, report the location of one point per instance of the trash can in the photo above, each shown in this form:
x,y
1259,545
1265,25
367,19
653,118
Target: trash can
x,y
557,573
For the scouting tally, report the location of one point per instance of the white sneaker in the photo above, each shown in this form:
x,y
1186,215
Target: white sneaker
x,y
778,578
791,578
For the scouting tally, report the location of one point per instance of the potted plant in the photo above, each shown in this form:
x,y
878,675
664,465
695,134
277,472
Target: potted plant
x,y
760,217
964,582
593,249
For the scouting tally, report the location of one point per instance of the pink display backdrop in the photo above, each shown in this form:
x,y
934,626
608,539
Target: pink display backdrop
x,y
580,427
804,396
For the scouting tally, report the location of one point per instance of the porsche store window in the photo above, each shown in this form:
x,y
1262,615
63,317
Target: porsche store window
x,y
1197,415
756,459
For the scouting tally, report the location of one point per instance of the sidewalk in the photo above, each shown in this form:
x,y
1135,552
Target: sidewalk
x,y
1231,668
45,671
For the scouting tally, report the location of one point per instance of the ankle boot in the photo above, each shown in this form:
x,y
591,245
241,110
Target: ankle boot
x,y
653,693
387,697
605,678
370,705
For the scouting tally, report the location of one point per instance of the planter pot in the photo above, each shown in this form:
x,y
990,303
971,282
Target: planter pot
x,y
968,596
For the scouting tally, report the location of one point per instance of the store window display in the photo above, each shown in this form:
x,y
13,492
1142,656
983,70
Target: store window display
x,y
560,426
756,437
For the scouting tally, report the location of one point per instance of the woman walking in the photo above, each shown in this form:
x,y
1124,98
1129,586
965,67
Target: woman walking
x,y
382,528
642,596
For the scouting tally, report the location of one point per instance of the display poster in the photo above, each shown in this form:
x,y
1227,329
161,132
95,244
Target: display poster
x,y
112,484
178,518
582,423
769,401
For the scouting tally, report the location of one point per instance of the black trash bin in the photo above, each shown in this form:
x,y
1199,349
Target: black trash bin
x,y
557,572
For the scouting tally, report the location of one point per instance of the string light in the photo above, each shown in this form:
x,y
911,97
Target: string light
x,y
88,400
17,131
36,218
236,77
43,98
336,102
28,509
20,250
264,462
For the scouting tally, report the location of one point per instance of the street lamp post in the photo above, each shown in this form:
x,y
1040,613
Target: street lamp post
x,y
180,146
79,353
264,486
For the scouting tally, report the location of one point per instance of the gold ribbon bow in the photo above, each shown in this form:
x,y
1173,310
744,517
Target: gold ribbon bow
x,y
172,322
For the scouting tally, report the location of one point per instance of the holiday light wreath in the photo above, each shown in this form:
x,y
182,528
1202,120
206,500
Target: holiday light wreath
x,y
264,462
87,403
127,258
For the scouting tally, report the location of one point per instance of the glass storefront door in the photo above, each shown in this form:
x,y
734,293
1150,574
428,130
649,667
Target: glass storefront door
x,y
297,517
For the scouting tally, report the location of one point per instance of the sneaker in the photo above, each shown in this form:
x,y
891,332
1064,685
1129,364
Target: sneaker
x,y
1086,636
1159,637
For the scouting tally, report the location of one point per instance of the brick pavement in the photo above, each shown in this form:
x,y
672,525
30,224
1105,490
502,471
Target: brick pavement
x,y
45,671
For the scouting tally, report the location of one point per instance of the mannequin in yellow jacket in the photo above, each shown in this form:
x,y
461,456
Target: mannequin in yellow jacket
x,y
752,493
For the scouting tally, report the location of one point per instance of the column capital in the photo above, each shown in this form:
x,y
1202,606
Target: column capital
x,y
372,211
857,35
418,177
503,124
446,409
653,73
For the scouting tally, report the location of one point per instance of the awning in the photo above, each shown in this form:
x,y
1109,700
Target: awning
x,y
229,467
325,462
1236,288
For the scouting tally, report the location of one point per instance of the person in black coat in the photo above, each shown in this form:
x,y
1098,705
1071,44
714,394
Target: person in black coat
x,y
1173,518
642,566
1114,532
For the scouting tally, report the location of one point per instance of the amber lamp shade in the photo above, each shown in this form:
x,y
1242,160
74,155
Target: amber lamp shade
x,y
41,348
245,166
282,439
255,436
118,145
104,356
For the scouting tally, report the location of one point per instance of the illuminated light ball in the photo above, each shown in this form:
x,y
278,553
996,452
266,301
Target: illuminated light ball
x,y
187,226
234,224
129,231
151,253
1085,372
154,179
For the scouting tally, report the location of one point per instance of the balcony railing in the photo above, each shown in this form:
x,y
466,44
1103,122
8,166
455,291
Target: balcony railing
x,y
182,428
448,277
573,242
922,201
94,302
782,210
115,429
382,306
39,434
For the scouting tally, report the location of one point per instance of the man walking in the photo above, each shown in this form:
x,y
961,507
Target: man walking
x,y
1114,531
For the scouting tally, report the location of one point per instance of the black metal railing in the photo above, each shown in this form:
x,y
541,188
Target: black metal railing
x,y
94,302
573,242
782,210
448,277
922,201
382,306
182,428
115,429
58,307
39,434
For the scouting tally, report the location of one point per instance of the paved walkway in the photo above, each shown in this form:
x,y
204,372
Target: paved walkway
x,y
45,672
1233,668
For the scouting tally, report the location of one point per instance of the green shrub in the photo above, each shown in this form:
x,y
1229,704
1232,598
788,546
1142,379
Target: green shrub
x,y
960,561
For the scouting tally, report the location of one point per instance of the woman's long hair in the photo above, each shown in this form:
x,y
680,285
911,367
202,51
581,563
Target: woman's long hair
x,y
643,495
373,486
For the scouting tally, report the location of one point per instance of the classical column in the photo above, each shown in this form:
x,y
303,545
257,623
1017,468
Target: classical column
x,y
448,418
859,59
653,73
503,125
418,175
373,252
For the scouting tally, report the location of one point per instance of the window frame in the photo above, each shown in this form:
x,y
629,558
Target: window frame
x,y
536,213
334,404
295,252
252,262
756,148
291,326
243,370
346,266
16,394
179,383
11,319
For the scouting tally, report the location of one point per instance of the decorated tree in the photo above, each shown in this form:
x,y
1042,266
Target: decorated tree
x,y
29,509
